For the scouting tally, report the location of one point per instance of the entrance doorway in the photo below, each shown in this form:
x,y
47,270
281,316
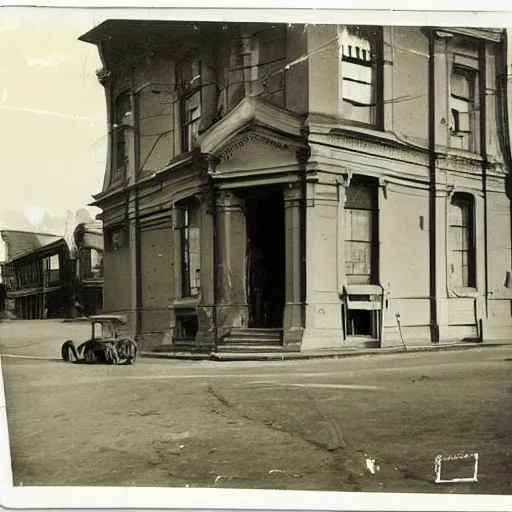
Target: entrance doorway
x,y
265,258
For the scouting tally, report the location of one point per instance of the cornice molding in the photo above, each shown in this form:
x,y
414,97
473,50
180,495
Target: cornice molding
x,y
360,143
479,33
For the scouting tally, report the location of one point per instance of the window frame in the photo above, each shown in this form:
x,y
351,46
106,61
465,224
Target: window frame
x,y
119,145
373,242
190,283
190,94
467,200
374,35
464,139
262,70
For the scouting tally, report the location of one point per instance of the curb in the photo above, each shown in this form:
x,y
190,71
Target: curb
x,y
295,356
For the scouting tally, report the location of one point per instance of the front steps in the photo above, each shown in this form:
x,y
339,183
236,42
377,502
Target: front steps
x,y
252,340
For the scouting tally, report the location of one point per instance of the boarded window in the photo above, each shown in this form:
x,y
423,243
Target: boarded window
x,y
462,241
360,233
359,73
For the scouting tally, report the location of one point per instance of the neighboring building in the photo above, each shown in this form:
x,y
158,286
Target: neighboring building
x,y
41,273
88,240
41,284
302,187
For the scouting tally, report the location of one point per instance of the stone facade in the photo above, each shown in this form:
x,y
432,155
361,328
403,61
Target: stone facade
x,y
305,187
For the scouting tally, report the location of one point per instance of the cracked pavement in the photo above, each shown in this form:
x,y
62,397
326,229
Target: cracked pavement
x,y
370,423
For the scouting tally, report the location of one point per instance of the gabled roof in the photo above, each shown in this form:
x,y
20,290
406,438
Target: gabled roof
x,y
19,243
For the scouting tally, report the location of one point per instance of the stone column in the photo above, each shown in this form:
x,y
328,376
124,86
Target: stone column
x,y
293,318
232,307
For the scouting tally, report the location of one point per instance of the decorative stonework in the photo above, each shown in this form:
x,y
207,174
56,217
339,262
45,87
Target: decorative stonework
x,y
227,200
374,148
228,152
104,75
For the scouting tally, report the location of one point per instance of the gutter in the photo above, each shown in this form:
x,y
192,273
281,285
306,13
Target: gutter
x,y
483,151
138,277
215,262
506,124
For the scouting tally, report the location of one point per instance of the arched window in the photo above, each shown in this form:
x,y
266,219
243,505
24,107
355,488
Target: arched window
x,y
462,241
189,75
463,112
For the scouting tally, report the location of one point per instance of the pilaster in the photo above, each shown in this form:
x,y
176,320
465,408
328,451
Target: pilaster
x,y
292,318
325,264
232,307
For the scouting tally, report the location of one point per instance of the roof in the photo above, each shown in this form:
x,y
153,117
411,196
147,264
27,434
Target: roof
x,y
20,243
108,318
125,28
45,250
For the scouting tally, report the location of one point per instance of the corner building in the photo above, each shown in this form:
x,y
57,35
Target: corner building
x,y
287,188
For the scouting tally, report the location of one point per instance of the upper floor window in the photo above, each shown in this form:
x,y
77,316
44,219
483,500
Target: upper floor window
x,y
361,233
122,115
96,259
54,262
462,241
268,55
189,76
360,73
53,268
463,98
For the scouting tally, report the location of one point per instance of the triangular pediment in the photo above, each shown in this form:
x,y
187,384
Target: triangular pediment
x,y
255,152
255,137
251,113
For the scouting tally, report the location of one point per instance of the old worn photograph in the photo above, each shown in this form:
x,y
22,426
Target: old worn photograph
x,y
256,254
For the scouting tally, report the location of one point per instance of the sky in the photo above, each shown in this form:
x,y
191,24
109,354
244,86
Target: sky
x,y
52,117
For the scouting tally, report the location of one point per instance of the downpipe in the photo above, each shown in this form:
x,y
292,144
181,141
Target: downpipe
x,y
434,328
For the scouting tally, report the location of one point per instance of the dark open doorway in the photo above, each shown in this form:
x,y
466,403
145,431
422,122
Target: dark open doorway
x,y
265,258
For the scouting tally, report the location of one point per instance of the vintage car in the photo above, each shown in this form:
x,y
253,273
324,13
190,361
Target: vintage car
x,y
106,345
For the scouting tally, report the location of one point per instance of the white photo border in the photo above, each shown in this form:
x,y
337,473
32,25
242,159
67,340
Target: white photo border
x,y
403,12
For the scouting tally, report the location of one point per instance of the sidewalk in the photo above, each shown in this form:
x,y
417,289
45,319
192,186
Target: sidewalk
x,y
316,354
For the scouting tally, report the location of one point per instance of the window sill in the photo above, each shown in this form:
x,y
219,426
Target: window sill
x,y
463,153
465,292
185,302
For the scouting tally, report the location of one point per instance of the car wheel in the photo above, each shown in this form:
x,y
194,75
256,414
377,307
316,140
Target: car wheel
x,y
127,349
89,356
68,350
